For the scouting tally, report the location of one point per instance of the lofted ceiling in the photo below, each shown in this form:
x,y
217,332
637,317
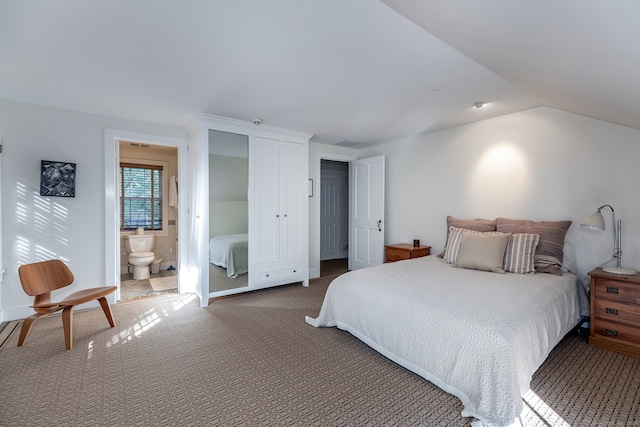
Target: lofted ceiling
x,y
361,71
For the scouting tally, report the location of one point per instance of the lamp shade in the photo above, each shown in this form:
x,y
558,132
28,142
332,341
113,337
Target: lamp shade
x,y
595,221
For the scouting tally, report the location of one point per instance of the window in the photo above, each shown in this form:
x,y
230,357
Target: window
x,y
140,196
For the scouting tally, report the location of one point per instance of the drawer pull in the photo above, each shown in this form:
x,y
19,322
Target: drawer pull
x,y
611,332
611,311
612,290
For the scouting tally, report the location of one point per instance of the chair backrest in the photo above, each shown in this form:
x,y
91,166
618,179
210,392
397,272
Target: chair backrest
x,y
43,277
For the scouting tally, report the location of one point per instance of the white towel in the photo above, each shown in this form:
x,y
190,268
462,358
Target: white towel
x,y
173,191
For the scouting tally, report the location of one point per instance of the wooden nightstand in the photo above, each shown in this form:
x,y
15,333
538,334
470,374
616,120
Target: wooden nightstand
x,y
402,251
615,312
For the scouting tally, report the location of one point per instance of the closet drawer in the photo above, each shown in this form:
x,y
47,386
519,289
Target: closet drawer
x,y
282,274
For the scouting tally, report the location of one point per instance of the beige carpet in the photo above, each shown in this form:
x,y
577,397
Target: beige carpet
x,y
334,266
251,360
163,283
7,329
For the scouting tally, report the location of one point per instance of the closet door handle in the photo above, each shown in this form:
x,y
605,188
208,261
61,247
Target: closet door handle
x,y
379,223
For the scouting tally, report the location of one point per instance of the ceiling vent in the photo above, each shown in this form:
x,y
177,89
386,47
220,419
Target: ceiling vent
x,y
347,143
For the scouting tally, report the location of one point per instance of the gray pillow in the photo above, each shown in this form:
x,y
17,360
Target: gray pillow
x,y
477,224
482,251
548,256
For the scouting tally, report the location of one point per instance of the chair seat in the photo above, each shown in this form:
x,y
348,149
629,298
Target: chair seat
x,y
82,296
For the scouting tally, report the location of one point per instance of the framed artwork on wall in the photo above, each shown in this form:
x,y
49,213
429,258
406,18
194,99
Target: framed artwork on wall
x,y
57,179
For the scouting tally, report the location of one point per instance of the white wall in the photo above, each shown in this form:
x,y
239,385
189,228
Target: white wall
x,y
539,164
36,228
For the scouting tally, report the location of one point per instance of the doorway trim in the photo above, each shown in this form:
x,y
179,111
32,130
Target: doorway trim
x,y
314,264
111,229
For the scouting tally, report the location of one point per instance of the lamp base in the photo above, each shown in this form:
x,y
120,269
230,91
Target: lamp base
x,y
615,270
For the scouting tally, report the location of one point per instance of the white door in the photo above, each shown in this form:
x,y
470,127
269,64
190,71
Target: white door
x,y
329,218
366,213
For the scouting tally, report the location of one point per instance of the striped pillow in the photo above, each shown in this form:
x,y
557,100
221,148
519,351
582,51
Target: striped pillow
x,y
453,244
519,257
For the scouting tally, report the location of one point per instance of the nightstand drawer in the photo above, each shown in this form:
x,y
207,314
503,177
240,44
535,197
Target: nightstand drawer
x,y
402,251
617,290
617,312
616,331
396,255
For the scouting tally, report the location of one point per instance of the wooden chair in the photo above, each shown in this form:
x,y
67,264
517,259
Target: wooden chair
x,y
40,278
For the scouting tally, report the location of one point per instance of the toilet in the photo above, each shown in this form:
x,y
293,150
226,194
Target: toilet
x,y
140,247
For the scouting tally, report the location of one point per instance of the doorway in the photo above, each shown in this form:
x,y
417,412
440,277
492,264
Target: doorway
x,y
332,162
334,216
147,194
171,248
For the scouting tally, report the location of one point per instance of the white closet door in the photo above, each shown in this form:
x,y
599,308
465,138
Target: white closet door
x,y
294,193
267,204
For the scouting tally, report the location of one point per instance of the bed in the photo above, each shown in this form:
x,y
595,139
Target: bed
x,y
475,334
231,252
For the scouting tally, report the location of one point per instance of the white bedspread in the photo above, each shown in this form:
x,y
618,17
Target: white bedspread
x,y
477,335
231,252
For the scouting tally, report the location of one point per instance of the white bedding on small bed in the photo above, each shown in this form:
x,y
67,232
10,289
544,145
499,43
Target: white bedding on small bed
x,y
230,252
477,335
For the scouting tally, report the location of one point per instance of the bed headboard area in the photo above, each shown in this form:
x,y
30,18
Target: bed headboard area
x,y
228,217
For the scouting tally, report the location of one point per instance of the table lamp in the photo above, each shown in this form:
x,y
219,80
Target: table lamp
x,y
595,221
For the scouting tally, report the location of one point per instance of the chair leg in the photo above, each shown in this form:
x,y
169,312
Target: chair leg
x,y
107,310
26,327
67,323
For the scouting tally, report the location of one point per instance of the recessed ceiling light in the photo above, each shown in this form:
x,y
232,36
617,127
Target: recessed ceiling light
x,y
479,104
